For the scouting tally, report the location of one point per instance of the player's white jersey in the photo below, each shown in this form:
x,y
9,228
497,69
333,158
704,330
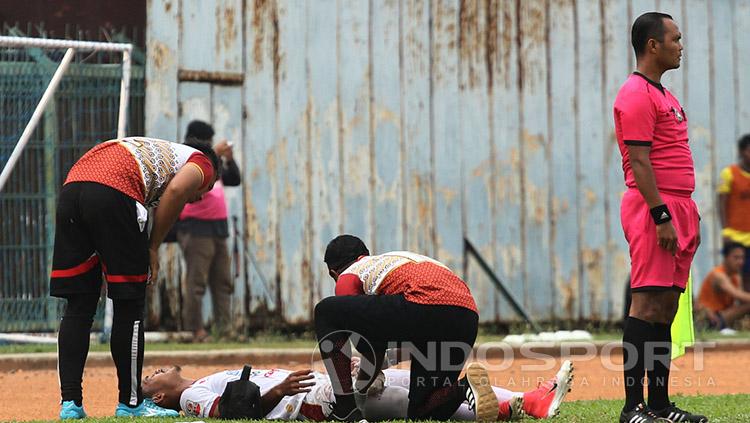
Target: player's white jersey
x,y
158,162
372,270
203,396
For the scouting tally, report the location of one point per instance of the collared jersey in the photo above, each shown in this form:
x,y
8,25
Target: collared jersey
x,y
647,114
202,398
735,183
419,278
138,167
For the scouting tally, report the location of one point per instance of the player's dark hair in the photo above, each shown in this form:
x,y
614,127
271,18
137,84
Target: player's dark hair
x,y
648,25
730,246
207,150
743,143
200,130
343,250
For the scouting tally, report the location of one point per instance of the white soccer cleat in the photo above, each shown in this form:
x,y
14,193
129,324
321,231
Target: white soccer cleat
x,y
544,402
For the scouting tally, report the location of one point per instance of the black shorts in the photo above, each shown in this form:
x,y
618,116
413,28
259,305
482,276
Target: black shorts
x,y
97,229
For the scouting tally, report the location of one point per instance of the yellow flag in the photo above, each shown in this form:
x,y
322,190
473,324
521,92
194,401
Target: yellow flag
x,y
682,326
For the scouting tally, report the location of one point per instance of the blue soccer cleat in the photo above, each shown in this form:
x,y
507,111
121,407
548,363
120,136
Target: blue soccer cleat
x,y
69,410
146,409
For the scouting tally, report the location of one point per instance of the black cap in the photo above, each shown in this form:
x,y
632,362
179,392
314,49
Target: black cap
x,y
199,130
343,250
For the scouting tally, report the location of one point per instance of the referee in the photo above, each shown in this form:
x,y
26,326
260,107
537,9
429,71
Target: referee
x,y
659,218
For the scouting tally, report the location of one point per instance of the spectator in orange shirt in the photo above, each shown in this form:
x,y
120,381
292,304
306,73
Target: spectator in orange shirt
x,y
721,294
734,204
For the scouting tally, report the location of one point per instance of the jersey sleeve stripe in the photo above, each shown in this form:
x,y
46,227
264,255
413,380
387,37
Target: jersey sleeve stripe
x,y
638,143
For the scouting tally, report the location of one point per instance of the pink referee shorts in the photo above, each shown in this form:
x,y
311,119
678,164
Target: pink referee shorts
x,y
652,267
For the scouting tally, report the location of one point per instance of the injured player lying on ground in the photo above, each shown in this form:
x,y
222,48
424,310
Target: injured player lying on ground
x,y
308,395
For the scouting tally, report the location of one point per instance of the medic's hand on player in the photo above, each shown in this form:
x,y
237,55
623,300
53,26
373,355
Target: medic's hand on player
x,y
667,237
295,383
378,385
373,391
153,271
224,149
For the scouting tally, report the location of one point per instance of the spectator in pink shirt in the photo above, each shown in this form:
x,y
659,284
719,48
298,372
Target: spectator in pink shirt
x,y
202,233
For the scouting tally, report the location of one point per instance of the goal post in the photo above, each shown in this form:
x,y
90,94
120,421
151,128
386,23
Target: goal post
x,y
79,92
72,47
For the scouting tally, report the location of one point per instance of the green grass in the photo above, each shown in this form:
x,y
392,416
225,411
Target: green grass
x,y
719,409
306,341
262,342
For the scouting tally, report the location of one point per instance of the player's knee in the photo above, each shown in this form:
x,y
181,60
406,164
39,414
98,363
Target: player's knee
x,y
81,306
323,308
128,309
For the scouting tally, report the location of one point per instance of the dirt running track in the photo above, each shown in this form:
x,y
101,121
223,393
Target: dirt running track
x,y
33,395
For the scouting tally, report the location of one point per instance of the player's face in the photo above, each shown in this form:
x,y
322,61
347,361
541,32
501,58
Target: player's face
x,y
160,380
670,49
735,260
333,274
745,156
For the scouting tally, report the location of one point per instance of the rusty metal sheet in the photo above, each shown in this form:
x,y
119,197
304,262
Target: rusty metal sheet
x,y
412,124
260,111
194,103
724,104
504,121
226,118
448,192
162,46
292,145
696,102
211,35
562,132
198,34
674,81
636,8
354,118
741,25
591,108
478,165
534,156
326,201
228,36
618,54
389,144
416,135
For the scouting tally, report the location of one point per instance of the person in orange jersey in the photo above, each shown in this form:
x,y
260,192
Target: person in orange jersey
x,y
734,204
721,294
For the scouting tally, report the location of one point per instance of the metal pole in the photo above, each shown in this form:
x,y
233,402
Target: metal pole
x,y
29,130
122,118
469,248
7,41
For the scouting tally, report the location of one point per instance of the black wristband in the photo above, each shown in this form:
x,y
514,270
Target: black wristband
x,y
661,214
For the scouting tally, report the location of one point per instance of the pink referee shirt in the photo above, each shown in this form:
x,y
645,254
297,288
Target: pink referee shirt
x,y
647,114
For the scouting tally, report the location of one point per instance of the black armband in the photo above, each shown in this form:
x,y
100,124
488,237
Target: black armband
x,y
661,214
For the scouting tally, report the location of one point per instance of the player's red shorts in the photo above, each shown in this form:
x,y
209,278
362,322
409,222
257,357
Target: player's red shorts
x,y
652,267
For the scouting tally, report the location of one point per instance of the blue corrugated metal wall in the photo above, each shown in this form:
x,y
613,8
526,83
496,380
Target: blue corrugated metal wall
x,y
415,123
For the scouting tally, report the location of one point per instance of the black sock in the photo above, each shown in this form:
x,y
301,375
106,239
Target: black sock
x,y
441,404
658,373
335,350
637,332
73,345
126,345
